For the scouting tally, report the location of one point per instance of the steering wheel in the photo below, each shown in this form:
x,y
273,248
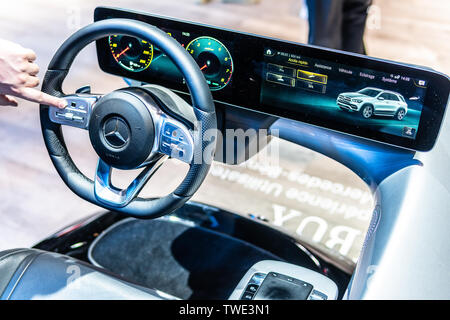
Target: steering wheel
x,y
129,128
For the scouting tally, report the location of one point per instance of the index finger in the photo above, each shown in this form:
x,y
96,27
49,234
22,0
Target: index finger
x,y
35,95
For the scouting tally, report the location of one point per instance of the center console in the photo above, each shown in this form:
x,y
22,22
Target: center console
x,y
201,252
275,280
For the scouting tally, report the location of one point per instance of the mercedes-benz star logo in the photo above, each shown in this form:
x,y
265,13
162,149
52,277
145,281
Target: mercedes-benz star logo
x,y
116,132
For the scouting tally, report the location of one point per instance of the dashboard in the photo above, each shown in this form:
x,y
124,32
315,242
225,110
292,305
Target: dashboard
x,y
394,103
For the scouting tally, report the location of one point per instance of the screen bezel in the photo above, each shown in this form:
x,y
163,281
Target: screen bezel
x,y
245,86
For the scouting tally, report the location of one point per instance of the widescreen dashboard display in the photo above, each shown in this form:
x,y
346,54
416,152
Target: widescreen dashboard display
x,y
381,100
386,102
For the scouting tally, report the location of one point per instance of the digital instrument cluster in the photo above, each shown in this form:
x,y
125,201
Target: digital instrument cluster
x,y
394,103
212,56
130,53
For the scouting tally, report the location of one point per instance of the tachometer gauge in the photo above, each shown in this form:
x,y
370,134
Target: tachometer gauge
x,y
131,53
214,60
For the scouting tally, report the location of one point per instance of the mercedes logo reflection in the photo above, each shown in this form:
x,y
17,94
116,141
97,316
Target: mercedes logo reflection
x,y
116,132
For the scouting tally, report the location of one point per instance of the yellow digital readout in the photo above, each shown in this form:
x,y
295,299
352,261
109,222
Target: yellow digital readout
x,y
311,76
131,53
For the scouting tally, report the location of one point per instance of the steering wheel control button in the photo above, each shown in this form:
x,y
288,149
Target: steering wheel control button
x,y
174,132
122,130
77,112
116,132
175,142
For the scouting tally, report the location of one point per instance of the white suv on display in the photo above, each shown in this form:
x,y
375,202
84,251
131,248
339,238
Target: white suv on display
x,y
373,101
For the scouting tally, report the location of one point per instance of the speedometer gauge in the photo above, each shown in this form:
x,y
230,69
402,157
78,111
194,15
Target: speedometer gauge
x,y
214,60
131,53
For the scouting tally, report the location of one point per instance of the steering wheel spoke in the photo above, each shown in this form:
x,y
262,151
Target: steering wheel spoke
x,y
78,111
110,195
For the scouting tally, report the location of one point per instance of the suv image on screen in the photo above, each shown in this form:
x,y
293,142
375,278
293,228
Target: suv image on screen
x,y
373,101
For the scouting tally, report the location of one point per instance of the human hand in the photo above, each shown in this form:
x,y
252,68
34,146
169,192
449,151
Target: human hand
x,y
18,77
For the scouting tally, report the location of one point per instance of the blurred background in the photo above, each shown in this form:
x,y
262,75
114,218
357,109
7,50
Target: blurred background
x,y
35,202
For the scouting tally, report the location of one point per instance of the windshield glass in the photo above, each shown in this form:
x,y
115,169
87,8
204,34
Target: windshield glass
x,y
369,92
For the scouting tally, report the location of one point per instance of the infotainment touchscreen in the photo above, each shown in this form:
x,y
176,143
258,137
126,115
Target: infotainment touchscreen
x,y
388,102
381,100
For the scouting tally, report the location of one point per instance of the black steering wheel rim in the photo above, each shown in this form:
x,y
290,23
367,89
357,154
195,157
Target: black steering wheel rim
x,y
202,102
